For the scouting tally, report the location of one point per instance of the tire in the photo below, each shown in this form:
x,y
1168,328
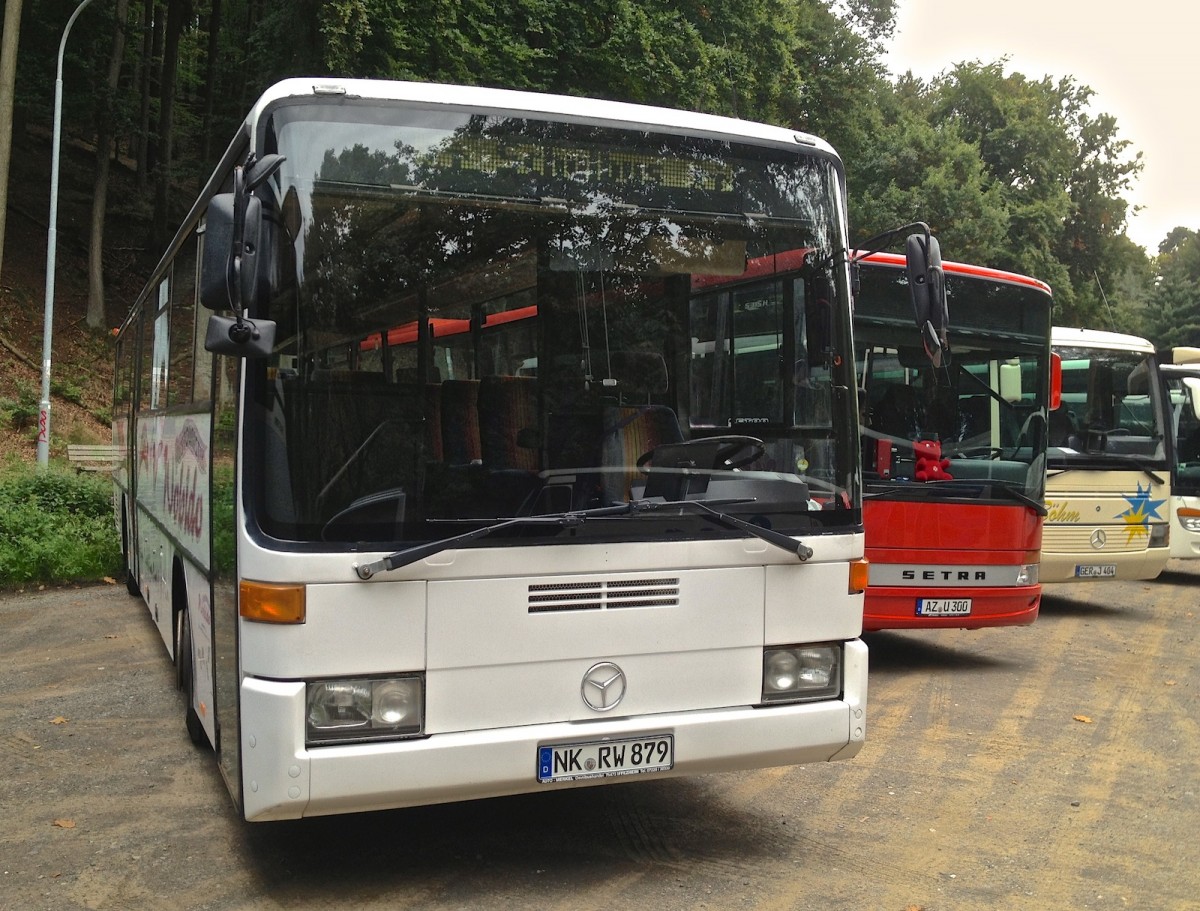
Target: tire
x,y
131,584
187,682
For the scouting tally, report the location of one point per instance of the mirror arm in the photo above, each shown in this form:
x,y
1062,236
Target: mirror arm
x,y
881,242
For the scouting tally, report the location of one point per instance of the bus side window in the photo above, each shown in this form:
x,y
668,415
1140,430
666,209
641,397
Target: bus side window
x,y
180,371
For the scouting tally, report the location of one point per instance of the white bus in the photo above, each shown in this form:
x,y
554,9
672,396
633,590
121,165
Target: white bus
x,y
1108,465
435,504
1181,383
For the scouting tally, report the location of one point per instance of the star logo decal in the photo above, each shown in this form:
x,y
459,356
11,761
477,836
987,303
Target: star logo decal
x,y
1141,510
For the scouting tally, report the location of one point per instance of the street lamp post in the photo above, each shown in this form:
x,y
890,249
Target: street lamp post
x,y
43,439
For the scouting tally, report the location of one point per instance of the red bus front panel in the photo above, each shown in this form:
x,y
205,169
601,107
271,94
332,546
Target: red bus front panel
x,y
942,565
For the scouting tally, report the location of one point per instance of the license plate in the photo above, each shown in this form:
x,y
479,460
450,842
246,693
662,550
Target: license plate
x,y
943,607
1096,570
604,758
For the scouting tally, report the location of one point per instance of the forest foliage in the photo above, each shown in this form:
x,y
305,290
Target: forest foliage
x,y
1013,171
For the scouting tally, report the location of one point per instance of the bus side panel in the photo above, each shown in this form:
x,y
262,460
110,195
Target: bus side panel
x,y
172,518
200,617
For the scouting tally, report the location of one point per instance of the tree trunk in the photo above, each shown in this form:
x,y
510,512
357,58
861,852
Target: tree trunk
x,y
210,81
177,14
96,316
8,80
151,29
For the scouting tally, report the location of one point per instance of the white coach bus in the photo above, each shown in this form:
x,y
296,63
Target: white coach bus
x,y
1108,471
1180,369
428,491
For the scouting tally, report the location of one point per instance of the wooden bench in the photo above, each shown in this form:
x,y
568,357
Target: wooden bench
x,y
94,457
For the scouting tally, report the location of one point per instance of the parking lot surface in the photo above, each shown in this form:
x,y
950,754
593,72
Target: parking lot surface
x,y
1054,766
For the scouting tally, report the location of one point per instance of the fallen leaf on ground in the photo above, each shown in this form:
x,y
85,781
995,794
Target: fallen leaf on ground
x,y
64,823
58,719
1084,718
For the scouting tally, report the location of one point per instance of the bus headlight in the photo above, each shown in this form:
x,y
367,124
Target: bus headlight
x,y
1027,574
801,672
1189,518
1159,535
355,710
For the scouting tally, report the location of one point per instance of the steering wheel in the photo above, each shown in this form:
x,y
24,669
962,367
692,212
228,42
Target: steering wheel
x,y
725,453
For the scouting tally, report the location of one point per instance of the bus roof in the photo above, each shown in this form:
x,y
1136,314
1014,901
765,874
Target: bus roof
x,y
558,106
953,268
1099,338
1183,355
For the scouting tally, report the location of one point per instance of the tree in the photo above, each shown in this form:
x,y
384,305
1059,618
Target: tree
x,y
106,130
1053,175
1173,316
178,13
8,78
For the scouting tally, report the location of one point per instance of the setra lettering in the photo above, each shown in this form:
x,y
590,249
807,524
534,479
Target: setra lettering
x,y
945,575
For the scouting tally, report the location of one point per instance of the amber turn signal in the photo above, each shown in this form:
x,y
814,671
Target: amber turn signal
x,y
265,602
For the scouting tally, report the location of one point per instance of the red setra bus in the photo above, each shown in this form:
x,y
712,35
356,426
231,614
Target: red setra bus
x,y
954,446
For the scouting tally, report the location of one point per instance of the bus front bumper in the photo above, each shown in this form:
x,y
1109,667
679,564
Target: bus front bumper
x,y
894,607
284,779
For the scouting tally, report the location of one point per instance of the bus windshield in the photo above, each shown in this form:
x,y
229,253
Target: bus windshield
x,y
1111,408
1182,387
484,317
984,408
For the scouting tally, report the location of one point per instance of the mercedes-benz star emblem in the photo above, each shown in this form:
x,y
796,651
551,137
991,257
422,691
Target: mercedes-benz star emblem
x,y
1098,539
603,686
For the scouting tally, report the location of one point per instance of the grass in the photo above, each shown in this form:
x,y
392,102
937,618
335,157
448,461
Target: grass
x,y
56,526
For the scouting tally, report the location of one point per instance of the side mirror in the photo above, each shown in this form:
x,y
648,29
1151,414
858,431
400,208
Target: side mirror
x,y
233,227
239,337
927,287
1191,388
228,279
1055,381
1010,382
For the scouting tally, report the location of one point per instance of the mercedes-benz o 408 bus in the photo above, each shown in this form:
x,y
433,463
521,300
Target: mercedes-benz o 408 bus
x,y
1108,466
428,491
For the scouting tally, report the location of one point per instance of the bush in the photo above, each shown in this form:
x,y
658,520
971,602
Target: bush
x,y
22,412
56,526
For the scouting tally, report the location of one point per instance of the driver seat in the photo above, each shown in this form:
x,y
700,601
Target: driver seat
x,y
629,432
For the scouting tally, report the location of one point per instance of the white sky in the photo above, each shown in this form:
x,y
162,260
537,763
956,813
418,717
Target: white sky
x,y
1140,58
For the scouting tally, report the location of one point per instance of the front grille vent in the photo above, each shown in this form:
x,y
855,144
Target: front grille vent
x,y
610,594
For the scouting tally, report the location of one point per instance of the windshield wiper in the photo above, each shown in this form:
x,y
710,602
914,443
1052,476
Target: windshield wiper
x,y
930,489
782,541
1021,497
421,551
576,518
